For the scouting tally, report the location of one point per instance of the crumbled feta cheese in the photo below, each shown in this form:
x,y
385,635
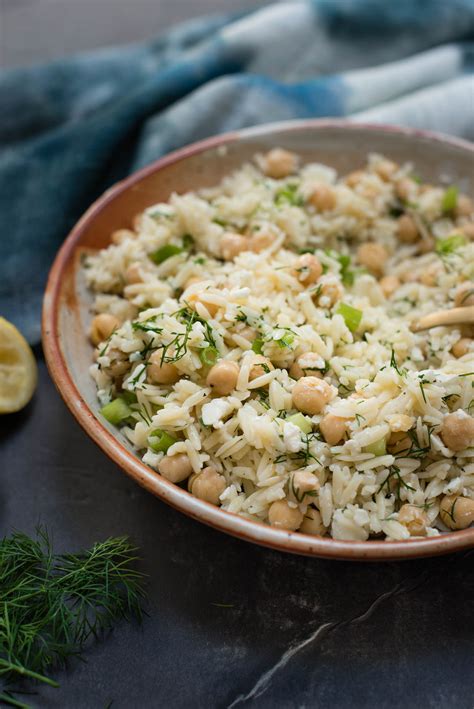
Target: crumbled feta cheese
x,y
292,437
214,411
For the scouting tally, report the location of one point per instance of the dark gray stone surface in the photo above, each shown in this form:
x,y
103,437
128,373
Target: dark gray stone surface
x,y
232,624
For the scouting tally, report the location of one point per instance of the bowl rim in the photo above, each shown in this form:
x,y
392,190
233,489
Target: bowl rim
x,y
229,522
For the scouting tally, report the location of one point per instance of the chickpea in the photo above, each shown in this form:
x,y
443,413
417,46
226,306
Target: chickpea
x,y
333,428
306,363
192,282
353,178
464,206
175,468
430,275
407,229
426,187
279,163
261,365
414,520
313,523
401,423
457,431
260,241
232,245
464,295
161,373
404,189
211,308
102,327
119,363
247,333
468,230
386,169
467,330
303,482
119,236
119,368
373,257
282,516
193,298
307,269
426,245
461,347
323,198
310,395
389,285
208,485
222,377
133,274
399,442
457,512
328,292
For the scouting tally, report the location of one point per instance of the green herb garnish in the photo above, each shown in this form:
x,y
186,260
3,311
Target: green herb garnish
x,y
450,244
160,441
393,363
450,199
377,448
165,252
347,276
188,242
208,356
289,195
303,423
352,316
257,346
395,474
53,604
116,411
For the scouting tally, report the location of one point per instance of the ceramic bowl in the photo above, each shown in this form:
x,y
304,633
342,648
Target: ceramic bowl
x,y
66,313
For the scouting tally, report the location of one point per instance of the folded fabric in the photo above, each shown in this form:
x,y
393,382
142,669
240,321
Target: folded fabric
x,y
70,129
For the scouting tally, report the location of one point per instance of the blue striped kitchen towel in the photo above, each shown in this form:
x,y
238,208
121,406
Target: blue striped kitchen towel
x,y
71,128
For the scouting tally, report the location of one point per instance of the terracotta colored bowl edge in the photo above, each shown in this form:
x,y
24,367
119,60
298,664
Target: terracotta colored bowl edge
x,y
178,498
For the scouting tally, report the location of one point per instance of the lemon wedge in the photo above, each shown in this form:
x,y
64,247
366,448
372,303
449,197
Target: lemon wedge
x,y
18,370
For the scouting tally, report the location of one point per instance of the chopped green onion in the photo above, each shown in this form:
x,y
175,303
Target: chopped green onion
x,y
208,355
450,244
257,346
352,316
347,276
159,213
377,448
188,242
302,422
129,397
289,195
450,199
117,411
166,252
160,441
285,340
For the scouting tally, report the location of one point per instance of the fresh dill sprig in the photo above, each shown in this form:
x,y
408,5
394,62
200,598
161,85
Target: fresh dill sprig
x,y
53,604
394,474
177,347
393,363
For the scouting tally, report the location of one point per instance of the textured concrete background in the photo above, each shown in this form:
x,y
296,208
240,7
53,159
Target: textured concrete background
x,y
230,624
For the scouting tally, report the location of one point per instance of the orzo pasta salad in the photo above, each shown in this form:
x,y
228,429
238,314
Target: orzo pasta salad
x,y
253,343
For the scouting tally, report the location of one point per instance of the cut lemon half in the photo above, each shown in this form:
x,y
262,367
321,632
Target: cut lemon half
x,y
18,370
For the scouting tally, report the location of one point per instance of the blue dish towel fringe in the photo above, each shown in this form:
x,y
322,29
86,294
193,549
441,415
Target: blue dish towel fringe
x,y
71,128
